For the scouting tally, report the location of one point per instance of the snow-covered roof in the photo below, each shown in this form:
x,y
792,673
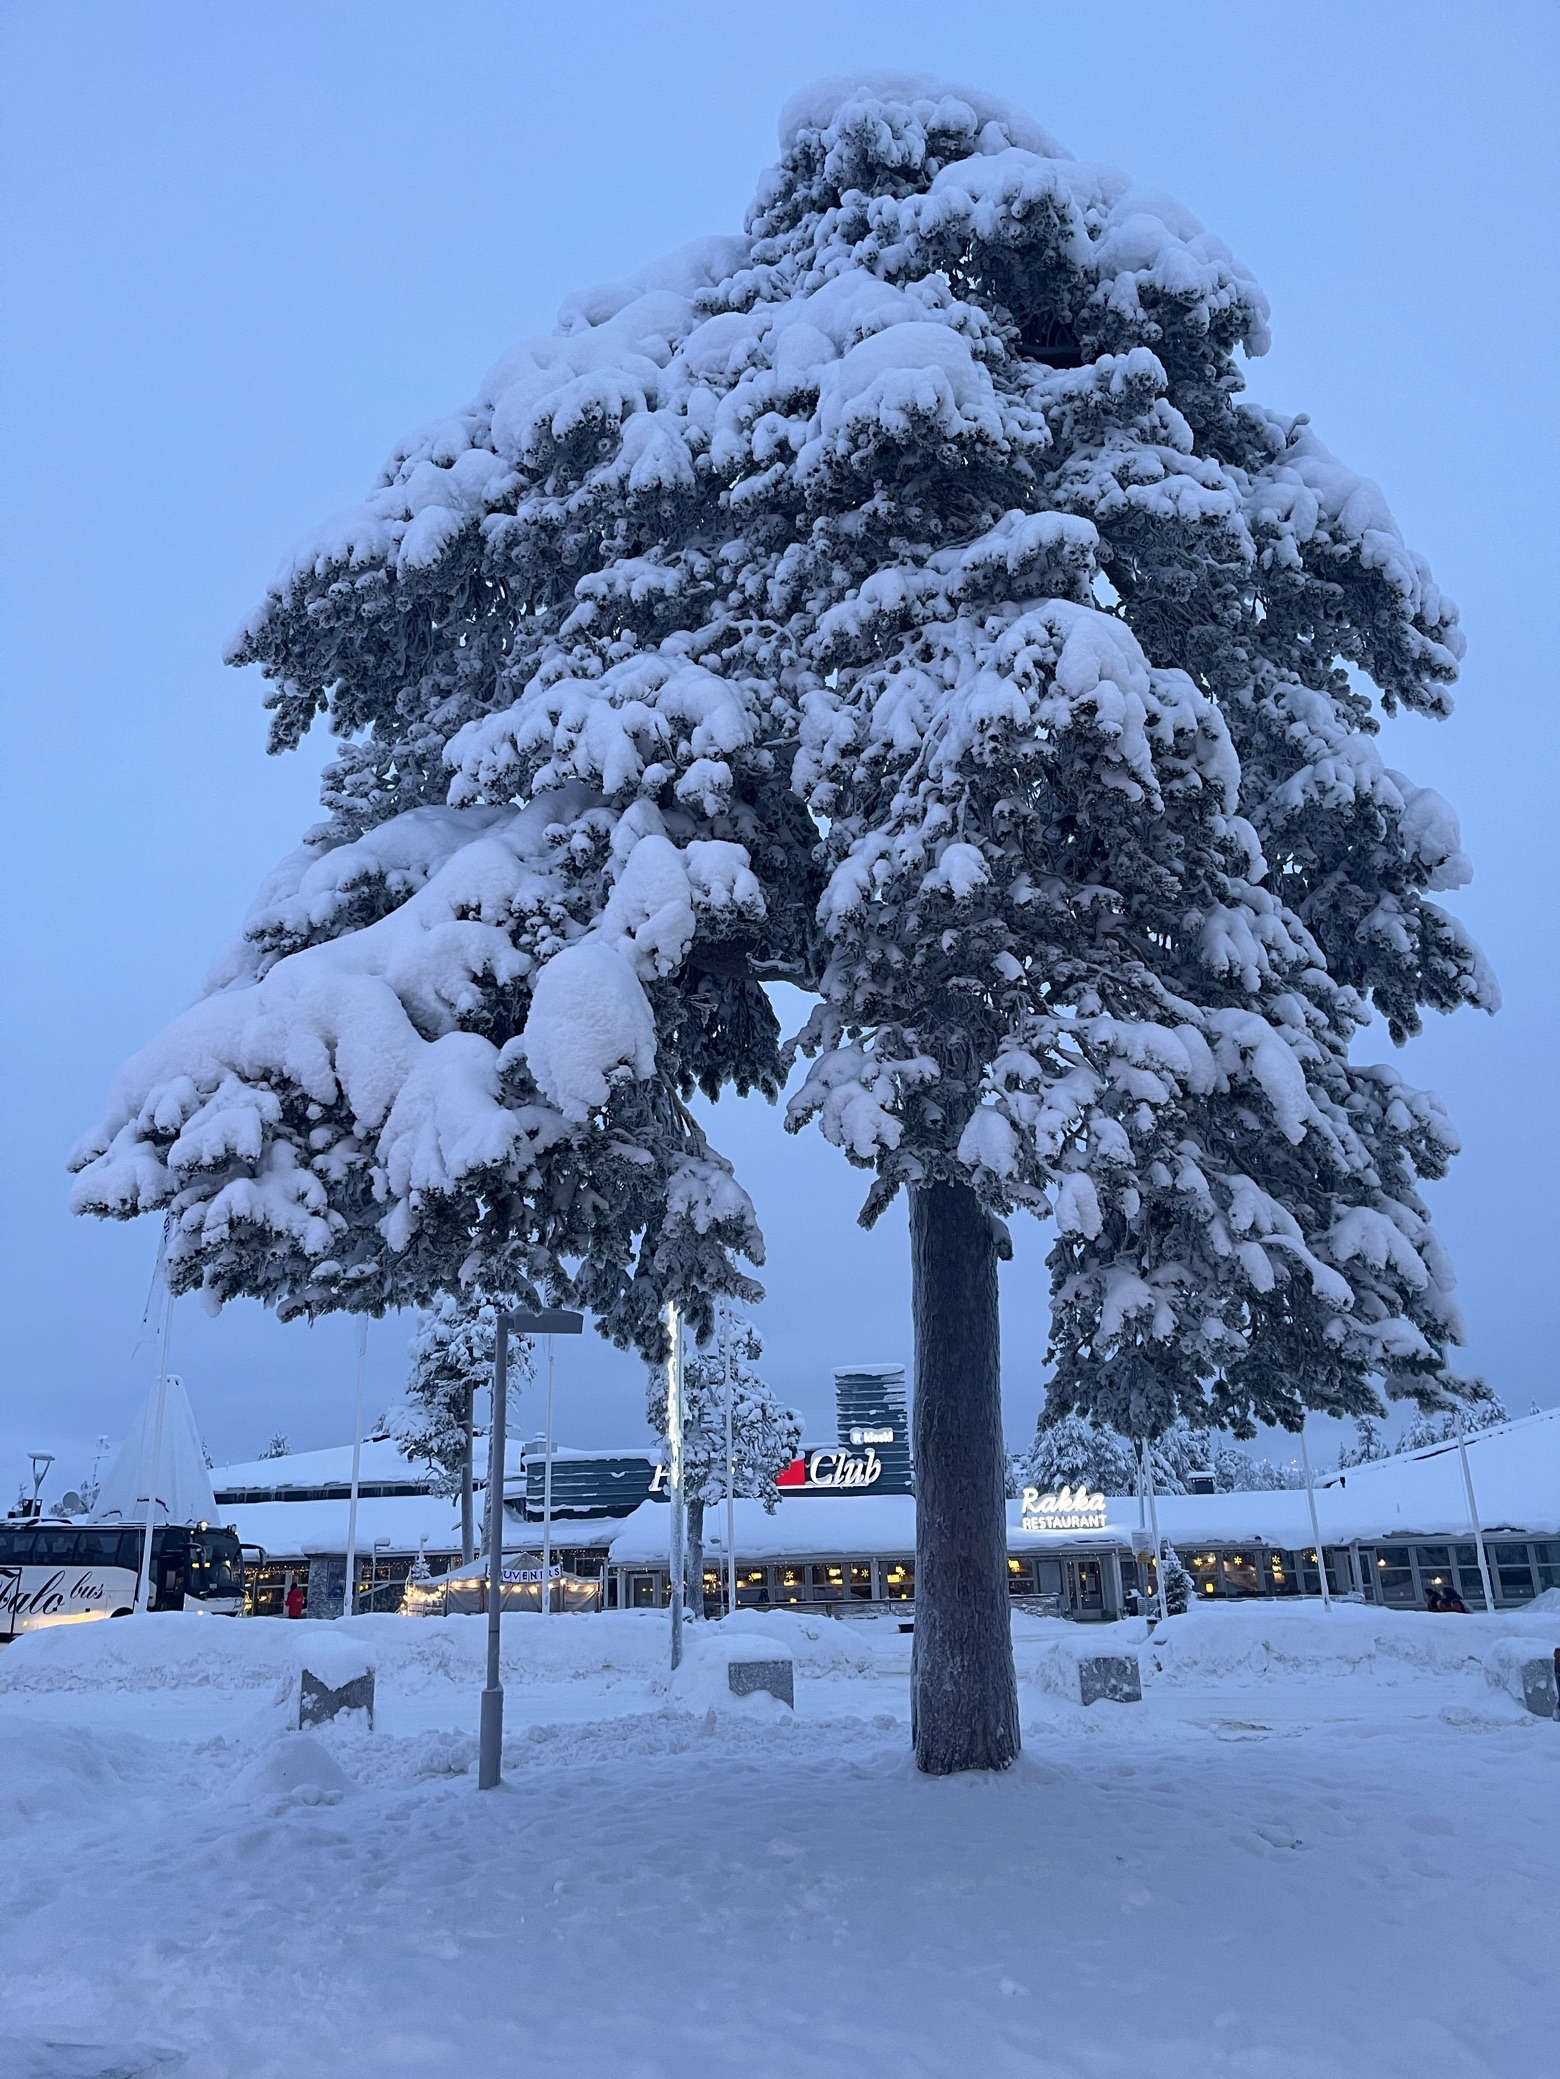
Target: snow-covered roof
x,y
1515,1469
381,1463
805,1526
294,1530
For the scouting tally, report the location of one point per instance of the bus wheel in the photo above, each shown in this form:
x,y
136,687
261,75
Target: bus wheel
x,y
119,1613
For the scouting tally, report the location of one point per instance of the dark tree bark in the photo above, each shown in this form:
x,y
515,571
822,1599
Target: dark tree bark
x,y
693,1560
963,1689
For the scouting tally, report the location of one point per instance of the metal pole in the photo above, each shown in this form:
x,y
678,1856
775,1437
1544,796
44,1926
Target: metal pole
x,y
546,1583
468,1543
1473,1516
731,1467
490,1744
143,1586
349,1590
1153,1518
1316,1528
674,1442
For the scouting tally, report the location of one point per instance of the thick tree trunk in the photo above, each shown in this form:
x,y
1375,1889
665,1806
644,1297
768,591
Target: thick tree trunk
x,y
693,1596
467,1533
963,1689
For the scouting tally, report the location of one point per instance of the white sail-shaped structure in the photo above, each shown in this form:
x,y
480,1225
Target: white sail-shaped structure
x,y
180,1485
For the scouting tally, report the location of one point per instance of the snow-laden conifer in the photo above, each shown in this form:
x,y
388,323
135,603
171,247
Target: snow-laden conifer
x,y
900,599
765,1436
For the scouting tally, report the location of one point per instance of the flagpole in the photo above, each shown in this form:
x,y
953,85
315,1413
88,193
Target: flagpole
x,y
1316,1531
731,1466
674,1441
143,1586
348,1593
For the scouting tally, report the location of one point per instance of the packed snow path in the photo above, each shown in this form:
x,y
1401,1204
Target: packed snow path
x,y
1305,1854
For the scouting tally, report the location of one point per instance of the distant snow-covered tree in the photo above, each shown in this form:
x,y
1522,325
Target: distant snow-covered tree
x,y
899,600
1242,1472
1367,1444
277,1448
450,1362
1485,1411
1070,1452
765,1436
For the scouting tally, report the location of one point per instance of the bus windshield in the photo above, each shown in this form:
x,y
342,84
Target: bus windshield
x,y
216,1564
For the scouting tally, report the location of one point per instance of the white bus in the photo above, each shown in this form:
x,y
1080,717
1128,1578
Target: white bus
x,y
65,1573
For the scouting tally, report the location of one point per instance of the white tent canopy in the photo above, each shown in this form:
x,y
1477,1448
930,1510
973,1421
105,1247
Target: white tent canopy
x,y
181,1485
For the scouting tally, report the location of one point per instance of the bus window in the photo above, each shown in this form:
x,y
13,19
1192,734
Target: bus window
x,y
99,1548
216,1564
55,1548
16,1547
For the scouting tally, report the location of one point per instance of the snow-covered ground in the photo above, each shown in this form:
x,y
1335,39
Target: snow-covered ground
x,y
1324,1844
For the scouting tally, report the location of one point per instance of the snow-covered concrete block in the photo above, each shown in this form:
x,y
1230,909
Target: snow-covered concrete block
x,y
1113,1677
1081,1673
738,1667
778,1676
340,1681
1528,1671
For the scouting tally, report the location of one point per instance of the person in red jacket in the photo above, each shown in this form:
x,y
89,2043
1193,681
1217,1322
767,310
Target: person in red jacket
x,y
295,1601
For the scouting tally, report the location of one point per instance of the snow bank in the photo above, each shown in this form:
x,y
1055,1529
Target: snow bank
x,y
1301,1642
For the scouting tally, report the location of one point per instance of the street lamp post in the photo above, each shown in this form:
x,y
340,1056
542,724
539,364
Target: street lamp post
x,y
549,1321
674,1483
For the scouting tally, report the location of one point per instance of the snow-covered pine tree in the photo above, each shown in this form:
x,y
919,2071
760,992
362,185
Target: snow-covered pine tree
x,y
1367,1444
940,479
1178,1584
450,1361
277,1448
1070,1451
1077,583
765,1436
1485,1411
1241,1472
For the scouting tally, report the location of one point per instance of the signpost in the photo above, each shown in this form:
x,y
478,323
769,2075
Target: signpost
x,y
549,1321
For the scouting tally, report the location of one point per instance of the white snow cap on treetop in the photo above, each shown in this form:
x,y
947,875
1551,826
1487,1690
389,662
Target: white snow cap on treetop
x,y
818,107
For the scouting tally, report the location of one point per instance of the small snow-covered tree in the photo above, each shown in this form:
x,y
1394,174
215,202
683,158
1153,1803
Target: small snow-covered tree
x,y
899,600
450,1362
1178,1583
765,1436
277,1448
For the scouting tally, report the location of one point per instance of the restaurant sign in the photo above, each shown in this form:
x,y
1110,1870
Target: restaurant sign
x,y
1073,1508
831,1470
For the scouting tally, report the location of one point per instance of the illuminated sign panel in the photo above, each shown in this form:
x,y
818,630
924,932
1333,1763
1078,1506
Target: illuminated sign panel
x,y
831,1470
1073,1508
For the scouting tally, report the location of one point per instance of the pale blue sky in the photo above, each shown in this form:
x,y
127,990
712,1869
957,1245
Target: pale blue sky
x,y
247,247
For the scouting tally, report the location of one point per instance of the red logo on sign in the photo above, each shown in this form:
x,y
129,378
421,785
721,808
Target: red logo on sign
x,y
795,1474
